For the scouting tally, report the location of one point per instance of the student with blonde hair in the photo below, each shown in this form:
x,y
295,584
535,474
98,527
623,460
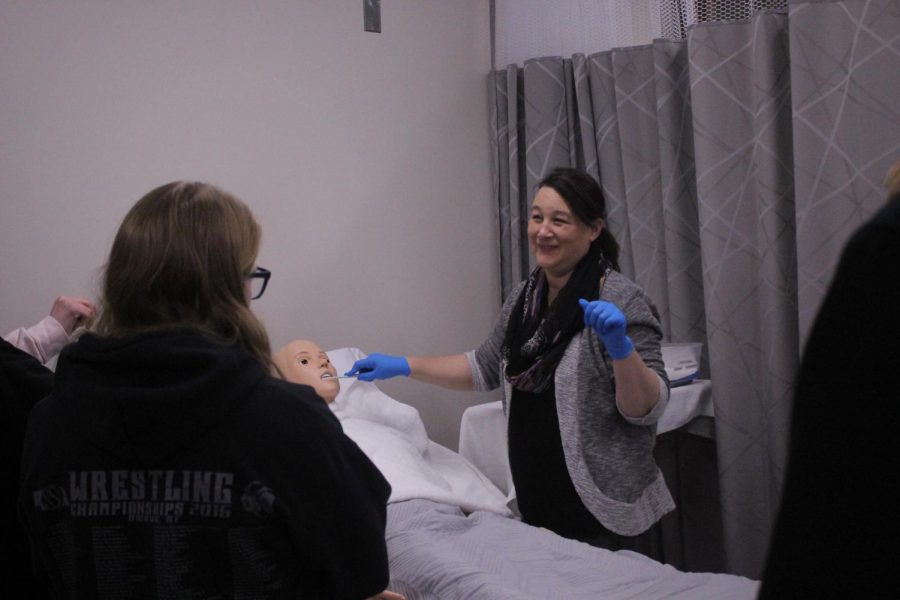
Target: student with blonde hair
x,y
892,181
167,460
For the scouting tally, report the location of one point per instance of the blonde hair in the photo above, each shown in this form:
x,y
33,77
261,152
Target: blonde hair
x,y
180,260
892,181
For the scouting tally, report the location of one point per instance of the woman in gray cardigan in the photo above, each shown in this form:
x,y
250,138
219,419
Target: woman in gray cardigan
x,y
577,351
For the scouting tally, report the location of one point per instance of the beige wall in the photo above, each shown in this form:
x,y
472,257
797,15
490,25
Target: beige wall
x,y
365,157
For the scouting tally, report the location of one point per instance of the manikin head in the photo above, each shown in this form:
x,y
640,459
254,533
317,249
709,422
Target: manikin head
x,y
302,361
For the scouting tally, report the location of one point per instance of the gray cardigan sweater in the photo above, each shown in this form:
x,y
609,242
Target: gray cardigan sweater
x,y
608,454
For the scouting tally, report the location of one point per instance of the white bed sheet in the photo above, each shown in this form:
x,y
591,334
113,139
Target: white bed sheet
x,y
393,436
437,553
450,535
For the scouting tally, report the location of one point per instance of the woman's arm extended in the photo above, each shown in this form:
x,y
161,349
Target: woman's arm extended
x,y
450,372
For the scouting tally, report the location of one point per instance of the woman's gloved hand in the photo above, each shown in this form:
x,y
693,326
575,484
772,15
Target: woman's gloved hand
x,y
379,366
609,324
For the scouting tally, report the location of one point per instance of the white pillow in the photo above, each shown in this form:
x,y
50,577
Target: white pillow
x,y
363,399
393,435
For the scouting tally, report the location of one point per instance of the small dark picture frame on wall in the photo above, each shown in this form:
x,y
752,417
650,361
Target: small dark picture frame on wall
x,y
372,15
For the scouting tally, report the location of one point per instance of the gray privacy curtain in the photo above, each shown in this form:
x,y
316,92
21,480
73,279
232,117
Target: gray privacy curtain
x,y
735,164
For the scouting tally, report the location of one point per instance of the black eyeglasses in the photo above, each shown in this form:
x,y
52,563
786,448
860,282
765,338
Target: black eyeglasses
x,y
259,279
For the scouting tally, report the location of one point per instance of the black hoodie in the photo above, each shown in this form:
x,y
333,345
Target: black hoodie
x,y
170,465
840,510
23,382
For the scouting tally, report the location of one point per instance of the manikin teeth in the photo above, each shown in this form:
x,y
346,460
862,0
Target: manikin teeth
x,y
327,376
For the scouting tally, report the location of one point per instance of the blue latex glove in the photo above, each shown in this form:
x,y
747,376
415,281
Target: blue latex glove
x,y
379,366
609,324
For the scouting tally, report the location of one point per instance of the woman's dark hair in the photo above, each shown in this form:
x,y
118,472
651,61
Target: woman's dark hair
x,y
584,197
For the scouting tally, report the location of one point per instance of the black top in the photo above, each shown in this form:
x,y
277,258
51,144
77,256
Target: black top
x,y
545,493
544,490
169,464
23,382
840,512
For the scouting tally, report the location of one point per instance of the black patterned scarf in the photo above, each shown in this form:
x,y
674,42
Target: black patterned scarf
x,y
537,335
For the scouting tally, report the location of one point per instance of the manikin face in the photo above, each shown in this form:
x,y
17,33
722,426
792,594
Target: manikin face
x,y
304,362
556,237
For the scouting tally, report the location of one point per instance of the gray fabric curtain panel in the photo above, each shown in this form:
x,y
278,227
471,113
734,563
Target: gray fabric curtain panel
x,y
741,106
735,163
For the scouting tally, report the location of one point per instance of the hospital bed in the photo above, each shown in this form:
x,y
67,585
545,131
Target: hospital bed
x,y
451,534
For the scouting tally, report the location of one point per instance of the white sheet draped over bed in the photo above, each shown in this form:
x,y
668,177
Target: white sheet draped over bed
x,y
439,553
393,436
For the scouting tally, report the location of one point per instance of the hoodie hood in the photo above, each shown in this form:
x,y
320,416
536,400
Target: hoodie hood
x,y
147,397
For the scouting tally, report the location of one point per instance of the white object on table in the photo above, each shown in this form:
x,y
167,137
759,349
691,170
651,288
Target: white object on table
x,y
682,361
482,434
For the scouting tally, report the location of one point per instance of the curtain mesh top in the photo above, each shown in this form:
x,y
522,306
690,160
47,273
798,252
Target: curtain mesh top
x,y
677,15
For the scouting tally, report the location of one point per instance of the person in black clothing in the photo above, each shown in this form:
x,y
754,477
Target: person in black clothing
x,y
168,462
23,382
840,510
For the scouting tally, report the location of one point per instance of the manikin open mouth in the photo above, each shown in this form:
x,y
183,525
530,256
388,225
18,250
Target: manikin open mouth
x,y
327,376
